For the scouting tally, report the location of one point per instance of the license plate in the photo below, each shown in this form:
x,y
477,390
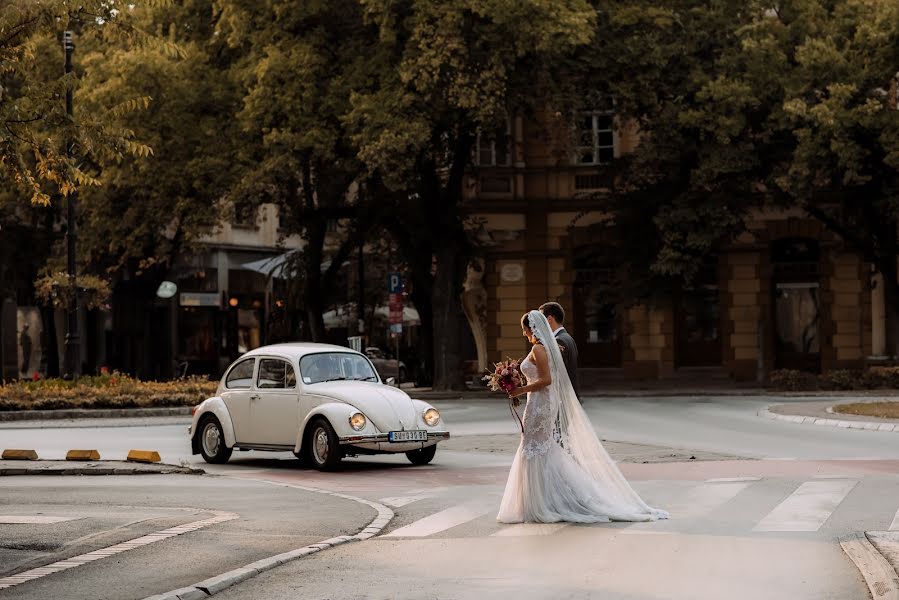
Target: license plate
x,y
419,435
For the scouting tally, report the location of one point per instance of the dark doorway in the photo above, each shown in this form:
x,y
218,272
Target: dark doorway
x,y
796,303
697,318
597,325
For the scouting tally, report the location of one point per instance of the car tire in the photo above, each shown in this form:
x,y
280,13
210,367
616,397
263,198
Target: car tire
x,y
402,375
322,448
423,456
211,440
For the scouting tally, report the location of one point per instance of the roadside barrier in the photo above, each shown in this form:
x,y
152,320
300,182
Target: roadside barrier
x,y
147,456
19,455
83,455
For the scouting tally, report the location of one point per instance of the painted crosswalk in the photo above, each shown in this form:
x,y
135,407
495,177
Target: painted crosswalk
x,y
808,507
441,521
777,506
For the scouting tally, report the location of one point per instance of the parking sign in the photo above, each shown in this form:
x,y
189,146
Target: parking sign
x,y
395,283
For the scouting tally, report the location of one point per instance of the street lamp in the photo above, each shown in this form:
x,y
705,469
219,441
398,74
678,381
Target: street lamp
x,y
72,367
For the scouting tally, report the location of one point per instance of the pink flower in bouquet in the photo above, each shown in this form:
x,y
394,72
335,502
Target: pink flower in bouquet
x,y
505,377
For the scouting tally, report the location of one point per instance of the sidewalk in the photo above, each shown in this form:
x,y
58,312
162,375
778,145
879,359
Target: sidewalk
x,y
95,467
819,413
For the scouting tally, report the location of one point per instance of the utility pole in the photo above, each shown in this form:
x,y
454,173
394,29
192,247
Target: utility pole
x,y
72,367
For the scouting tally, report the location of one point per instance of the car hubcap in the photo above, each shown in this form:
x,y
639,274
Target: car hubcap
x,y
320,445
211,439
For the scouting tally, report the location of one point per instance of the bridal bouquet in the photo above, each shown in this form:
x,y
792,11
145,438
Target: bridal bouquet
x,y
506,376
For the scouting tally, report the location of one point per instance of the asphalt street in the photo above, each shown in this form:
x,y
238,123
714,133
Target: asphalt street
x,y
727,425
758,508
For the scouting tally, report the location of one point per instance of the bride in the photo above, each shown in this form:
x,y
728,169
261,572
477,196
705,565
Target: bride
x,y
561,471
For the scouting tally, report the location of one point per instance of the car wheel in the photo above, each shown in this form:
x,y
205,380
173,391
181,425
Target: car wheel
x,y
212,441
423,456
322,448
402,375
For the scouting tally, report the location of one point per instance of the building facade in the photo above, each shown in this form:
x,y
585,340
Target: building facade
x,y
786,294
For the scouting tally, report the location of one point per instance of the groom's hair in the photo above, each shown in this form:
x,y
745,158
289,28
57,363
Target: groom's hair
x,y
554,310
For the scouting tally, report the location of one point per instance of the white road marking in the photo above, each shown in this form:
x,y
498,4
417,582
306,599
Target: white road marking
x,y
33,519
732,479
807,508
699,501
894,526
529,529
440,521
398,501
706,497
81,559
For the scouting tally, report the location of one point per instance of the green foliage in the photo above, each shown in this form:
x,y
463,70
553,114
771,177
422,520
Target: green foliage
x,y
742,105
35,126
55,289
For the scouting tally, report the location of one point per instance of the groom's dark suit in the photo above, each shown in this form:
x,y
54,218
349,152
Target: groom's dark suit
x,y
569,355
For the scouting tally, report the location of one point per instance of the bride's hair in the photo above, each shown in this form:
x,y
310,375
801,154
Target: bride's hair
x,y
526,322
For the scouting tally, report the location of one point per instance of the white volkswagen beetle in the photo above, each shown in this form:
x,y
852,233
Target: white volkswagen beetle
x,y
321,402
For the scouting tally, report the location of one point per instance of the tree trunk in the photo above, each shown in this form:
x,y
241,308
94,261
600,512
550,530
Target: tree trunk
x,y
448,316
313,301
422,288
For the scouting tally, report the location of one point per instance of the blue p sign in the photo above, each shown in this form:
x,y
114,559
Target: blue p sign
x,y
395,283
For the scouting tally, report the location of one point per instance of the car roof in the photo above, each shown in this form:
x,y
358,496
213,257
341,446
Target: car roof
x,y
297,349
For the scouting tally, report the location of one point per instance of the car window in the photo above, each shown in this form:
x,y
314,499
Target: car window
x,y
335,366
275,374
241,376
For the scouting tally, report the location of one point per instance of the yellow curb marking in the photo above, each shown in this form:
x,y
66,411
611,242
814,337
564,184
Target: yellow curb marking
x,y
83,455
148,456
19,455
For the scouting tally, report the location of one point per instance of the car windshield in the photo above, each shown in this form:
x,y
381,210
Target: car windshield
x,y
336,366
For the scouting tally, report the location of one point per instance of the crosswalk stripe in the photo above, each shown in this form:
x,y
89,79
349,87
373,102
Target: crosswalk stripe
x,y
440,521
808,507
706,497
894,526
529,529
398,501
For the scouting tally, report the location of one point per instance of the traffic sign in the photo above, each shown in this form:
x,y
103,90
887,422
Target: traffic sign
x,y
395,283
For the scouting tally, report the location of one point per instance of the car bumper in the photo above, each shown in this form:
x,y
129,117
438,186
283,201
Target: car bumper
x,y
433,436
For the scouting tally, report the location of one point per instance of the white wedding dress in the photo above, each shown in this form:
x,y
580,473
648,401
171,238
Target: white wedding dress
x,y
563,473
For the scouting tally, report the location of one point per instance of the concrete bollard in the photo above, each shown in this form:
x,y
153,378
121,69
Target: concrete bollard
x,y
83,455
19,455
147,456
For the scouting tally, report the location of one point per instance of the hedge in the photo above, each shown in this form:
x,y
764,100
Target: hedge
x,y
110,390
839,379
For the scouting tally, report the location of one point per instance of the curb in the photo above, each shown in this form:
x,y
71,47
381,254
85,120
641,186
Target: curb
x,y
879,574
161,469
92,413
213,585
825,422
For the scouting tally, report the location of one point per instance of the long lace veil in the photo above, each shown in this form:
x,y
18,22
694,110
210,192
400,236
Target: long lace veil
x,y
578,437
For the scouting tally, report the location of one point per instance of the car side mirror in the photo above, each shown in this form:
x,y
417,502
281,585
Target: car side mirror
x,y
391,381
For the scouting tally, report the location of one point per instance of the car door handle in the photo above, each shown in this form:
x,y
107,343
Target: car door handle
x,y
254,397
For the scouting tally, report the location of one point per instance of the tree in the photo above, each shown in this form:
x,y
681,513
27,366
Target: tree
x,y
146,213
303,62
443,71
741,105
35,126
35,129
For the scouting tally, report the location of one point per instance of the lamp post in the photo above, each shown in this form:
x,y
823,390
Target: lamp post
x,y
72,366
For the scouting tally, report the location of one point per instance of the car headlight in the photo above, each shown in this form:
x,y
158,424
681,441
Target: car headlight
x,y
357,421
431,417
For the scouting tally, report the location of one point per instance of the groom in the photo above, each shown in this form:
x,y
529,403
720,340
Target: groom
x,y
555,316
